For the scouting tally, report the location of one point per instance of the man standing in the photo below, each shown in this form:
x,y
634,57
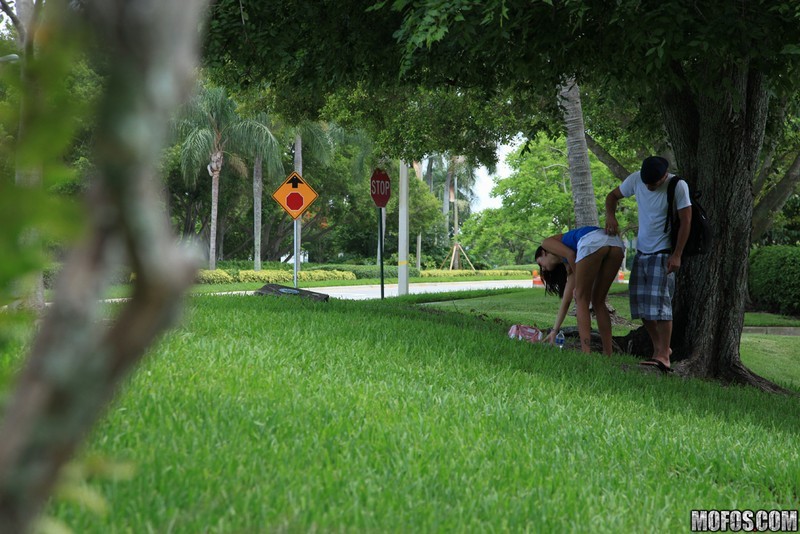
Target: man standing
x,y
652,282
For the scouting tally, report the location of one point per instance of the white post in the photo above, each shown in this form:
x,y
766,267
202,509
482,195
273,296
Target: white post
x,y
402,241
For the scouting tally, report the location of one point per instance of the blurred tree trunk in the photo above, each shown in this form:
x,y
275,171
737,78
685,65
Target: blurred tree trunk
x,y
28,173
76,361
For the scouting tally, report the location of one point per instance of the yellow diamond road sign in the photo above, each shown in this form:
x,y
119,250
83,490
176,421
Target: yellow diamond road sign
x,y
295,195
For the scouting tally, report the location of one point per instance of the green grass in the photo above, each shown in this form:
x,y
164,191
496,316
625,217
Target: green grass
x,y
528,306
775,357
263,414
769,319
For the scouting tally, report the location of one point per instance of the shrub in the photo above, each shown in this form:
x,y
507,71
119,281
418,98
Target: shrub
x,y
432,273
367,271
275,277
232,267
217,276
266,277
324,274
50,274
774,279
120,275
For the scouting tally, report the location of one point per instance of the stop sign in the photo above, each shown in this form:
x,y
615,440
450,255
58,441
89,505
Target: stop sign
x,y
380,188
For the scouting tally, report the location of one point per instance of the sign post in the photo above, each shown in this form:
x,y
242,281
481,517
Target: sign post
x,y
380,189
295,196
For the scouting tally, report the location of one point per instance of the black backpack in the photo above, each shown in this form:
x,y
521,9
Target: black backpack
x,y
700,234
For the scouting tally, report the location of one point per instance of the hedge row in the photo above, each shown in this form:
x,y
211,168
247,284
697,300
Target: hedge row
x,y
774,279
469,272
271,277
367,271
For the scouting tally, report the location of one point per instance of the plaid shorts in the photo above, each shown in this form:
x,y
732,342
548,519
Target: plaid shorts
x,y
651,288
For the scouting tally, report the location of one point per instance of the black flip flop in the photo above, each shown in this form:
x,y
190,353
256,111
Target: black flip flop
x,y
655,364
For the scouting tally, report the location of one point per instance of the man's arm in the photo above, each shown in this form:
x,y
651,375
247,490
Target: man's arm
x,y
674,261
612,199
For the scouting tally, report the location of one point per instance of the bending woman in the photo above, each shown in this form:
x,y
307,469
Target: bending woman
x,y
585,262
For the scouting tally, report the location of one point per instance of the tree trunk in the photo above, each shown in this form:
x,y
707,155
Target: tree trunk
x,y
76,361
214,168
578,156
773,202
258,188
717,145
429,174
617,169
447,190
221,229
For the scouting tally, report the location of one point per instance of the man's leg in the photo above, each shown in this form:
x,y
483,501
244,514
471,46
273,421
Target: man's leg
x,y
660,334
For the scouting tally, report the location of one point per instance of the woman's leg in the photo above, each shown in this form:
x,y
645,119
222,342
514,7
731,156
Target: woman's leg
x,y
606,274
586,272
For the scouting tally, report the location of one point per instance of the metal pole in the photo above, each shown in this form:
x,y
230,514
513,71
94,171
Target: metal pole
x,y
380,245
298,167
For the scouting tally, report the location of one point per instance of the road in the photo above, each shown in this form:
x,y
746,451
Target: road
x,y
390,290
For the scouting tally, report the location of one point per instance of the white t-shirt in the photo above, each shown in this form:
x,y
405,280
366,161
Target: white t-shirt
x,y
653,210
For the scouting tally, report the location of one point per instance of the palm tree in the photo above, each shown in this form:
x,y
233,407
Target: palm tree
x,y
578,155
271,152
211,129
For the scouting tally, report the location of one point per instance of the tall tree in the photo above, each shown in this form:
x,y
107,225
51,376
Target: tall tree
x,y
211,128
578,155
271,151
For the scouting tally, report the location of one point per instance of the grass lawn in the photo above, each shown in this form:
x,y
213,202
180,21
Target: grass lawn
x,y
275,414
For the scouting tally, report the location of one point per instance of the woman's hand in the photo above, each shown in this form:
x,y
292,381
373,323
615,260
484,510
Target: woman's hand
x,y
550,338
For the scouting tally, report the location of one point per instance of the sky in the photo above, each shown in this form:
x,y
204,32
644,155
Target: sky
x,y
485,182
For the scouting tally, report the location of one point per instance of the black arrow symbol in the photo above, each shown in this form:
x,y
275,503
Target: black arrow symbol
x,y
295,181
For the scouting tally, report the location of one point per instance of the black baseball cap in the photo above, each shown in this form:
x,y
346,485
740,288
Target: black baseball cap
x,y
653,168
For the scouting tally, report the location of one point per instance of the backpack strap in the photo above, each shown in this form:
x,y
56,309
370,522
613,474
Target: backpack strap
x,y
673,183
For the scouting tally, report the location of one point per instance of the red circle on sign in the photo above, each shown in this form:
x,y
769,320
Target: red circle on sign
x,y
294,201
380,187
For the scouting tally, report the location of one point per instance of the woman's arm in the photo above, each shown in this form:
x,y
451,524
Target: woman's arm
x,y
566,301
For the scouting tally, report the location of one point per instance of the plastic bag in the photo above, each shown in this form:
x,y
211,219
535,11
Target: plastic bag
x,y
527,333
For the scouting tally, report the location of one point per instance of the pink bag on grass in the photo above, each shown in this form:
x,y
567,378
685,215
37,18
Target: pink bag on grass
x,y
525,332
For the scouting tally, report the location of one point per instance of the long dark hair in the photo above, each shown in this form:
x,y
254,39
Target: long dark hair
x,y
554,281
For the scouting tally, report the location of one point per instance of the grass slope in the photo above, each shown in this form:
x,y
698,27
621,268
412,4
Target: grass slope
x,y
264,414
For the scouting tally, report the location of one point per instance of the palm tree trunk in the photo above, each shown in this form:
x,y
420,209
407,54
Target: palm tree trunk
x,y
578,156
258,188
214,168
